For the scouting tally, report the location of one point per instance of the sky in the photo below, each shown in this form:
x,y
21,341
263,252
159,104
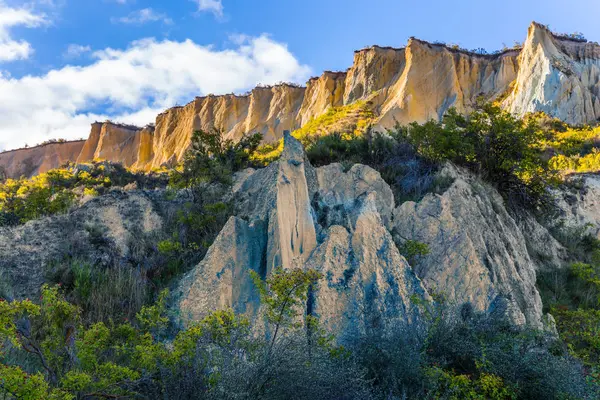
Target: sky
x,y
67,63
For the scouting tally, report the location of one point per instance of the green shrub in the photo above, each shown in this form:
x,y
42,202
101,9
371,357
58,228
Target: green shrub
x,y
212,159
459,353
413,250
103,293
192,230
504,149
57,190
447,385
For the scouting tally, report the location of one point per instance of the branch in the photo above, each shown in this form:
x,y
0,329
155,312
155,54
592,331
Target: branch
x,y
280,317
32,348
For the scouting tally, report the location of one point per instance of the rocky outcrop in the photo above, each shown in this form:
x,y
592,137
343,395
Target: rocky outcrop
x,y
478,253
557,75
368,284
344,224
124,144
295,224
338,191
222,280
321,93
454,79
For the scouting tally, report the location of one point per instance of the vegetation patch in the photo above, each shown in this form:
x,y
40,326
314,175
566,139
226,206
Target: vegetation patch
x,y
57,190
349,121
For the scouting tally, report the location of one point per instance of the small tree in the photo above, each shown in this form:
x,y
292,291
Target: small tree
x,y
284,294
213,159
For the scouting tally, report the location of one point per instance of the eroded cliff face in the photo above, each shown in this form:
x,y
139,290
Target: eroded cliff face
x,y
478,253
35,160
558,76
419,82
343,223
126,144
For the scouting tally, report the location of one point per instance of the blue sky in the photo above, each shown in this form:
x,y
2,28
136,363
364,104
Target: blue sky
x,y
66,63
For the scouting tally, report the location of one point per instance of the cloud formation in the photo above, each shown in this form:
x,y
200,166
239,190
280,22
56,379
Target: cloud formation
x,y
132,85
214,6
76,50
11,49
145,15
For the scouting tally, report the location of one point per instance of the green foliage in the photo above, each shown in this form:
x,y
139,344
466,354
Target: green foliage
x,y
152,318
447,385
349,121
57,190
505,150
282,294
213,159
449,355
413,250
214,357
573,297
455,353
580,329
572,149
104,293
193,229
409,176
77,362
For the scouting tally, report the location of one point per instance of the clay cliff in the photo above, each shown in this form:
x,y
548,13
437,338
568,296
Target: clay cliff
x,y
557,75
34,160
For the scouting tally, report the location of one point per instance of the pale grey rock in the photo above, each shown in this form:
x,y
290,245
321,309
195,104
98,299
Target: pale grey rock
x,y
546,252
477,252
368,285
222,280
580,204
295,224
240,177
338,191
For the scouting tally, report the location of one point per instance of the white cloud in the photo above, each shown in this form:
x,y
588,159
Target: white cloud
x,y
214,6
143,16
11,49
136,83
76,50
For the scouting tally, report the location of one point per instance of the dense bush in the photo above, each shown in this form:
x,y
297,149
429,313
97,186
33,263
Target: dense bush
x,y
350,121
503,149
103,293
57,190
48,352
213,159
47,347
192,229
461,354
409,175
